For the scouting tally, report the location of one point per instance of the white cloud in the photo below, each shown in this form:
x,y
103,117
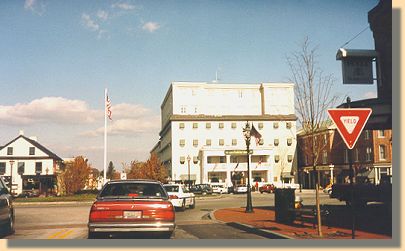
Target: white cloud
x,y
151,26
124,6
368,95
35,6
48,110
102,15
89,23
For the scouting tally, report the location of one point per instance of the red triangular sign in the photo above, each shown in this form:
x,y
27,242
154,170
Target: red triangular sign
x,y
350,123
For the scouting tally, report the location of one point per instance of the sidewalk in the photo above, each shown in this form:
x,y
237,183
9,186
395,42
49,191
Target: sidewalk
x,y
263,220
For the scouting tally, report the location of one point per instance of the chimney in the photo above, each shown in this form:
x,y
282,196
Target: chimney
x,y
34,138
21,132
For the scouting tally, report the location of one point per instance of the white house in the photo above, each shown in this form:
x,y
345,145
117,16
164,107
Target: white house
x,y
29,165
202,121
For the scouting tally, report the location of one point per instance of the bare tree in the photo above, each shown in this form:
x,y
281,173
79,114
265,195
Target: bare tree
x,y
313,97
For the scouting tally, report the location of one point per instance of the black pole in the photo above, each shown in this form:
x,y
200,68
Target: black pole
x,y
249,207
351,183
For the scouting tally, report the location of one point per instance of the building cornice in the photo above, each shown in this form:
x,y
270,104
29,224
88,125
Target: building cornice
x,y
266,117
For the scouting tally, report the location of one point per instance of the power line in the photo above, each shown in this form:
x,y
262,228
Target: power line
x,y
355,36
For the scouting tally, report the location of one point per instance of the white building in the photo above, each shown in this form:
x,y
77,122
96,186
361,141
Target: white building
x,y
200,121
30,165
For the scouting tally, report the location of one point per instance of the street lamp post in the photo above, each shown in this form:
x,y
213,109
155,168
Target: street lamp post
x,y
246,133
11,176
188,161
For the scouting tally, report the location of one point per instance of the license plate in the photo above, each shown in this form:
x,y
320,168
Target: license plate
x,y
132,214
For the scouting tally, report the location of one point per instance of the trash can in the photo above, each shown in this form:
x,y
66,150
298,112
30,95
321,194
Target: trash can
x,y
284,199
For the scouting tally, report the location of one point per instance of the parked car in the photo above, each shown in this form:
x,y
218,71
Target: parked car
x,y
7,216
28,194
219,188
267,188
180,196
201,189
241,189
132,206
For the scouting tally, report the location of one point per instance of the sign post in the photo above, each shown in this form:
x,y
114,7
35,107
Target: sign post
x,y
350,123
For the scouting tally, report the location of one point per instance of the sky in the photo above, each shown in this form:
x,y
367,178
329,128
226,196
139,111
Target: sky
x,y
57,57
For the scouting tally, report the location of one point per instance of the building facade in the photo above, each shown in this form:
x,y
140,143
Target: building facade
x,y
371,157
202,131
29,165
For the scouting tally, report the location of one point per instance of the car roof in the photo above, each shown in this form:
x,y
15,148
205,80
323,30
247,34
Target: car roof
x,y
133,181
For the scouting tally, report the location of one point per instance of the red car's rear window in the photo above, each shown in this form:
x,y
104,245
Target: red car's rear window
x,y
133,189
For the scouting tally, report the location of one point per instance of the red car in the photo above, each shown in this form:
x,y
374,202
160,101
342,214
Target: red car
x,y
132,206
267,188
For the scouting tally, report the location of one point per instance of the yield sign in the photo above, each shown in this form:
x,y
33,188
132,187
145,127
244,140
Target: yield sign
x,y
350,123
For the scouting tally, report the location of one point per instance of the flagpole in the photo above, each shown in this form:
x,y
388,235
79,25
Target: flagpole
x,y
105,136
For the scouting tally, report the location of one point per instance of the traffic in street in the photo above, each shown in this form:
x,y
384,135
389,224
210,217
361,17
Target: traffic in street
x,y
69,220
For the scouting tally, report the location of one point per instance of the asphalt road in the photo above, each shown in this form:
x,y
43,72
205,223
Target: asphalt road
x,y
69,221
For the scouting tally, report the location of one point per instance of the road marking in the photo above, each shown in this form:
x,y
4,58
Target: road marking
x,y
66,234
61,234
57,233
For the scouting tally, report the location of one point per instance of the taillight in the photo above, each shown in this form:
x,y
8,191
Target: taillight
x,y
173,197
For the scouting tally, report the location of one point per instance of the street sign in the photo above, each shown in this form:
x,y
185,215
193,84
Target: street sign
x,y
350,123
238,152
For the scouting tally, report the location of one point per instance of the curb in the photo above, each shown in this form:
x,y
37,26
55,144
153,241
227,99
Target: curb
x,y
248,228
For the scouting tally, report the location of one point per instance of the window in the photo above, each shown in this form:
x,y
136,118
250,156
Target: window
x,y
368,154
234,142
325,139
195,159
260,125
208,142
382,152
221,142
216,159
367,134
208,125
183,109
182,142
324,157
38,167
346,156
195,125
182,159
195,142
289,158
221,125
306,160
20,167
9,151
276,158
2,168
275,125
381,133
288,125
195,109
32,150
289,142
233,125
276,142
261,141
181,125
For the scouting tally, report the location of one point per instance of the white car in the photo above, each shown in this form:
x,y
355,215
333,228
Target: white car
x,y
180,196
241,189
219,188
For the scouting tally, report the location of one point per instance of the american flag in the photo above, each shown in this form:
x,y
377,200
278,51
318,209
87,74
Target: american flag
x,y
108,106
256,134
